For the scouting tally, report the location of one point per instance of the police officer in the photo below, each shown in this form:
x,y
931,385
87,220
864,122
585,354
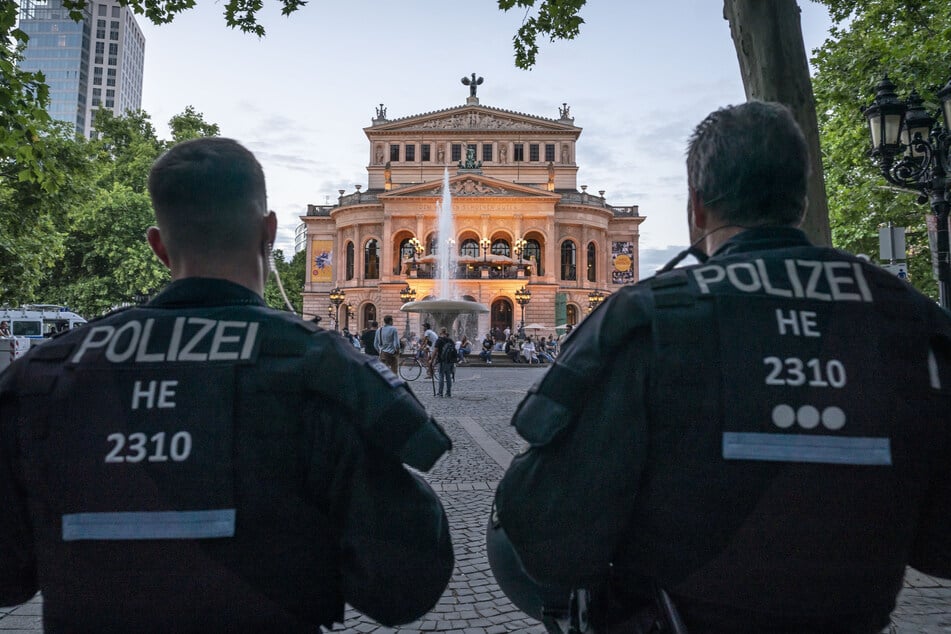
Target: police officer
x,y
762,438
205,463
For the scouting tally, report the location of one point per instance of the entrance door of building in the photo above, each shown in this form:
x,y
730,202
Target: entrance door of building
x,y
501,317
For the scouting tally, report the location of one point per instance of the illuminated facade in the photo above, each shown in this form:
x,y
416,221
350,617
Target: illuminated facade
x,y
520,221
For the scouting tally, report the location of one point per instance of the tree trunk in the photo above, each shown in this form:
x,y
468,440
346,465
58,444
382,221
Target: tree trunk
x,y
767,35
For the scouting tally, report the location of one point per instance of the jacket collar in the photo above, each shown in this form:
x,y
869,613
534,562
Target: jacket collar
x,y
203,291
763,239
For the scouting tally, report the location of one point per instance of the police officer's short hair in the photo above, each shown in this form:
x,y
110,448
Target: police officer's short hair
x,y
750,164
206,193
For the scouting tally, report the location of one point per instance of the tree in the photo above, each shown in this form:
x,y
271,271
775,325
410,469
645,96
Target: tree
x,y
191,124
911,41
34,218
768,41
292,277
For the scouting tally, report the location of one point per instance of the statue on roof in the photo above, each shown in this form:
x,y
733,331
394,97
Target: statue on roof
x,y
472,84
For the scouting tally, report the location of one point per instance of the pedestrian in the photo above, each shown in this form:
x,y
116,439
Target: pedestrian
x,y
205,463
430,336
5,329
487,344
446,353
368,339
465,349
512,349
759,440
528,351
387,341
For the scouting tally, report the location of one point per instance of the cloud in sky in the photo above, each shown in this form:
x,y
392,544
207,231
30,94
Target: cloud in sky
x,y
301,96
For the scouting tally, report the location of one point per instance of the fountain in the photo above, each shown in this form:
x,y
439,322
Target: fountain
x,y
447,306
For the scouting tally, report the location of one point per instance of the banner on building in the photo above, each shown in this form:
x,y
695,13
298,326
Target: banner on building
x,y
321,265
622,263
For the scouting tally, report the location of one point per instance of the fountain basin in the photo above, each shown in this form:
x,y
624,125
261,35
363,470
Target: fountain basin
x,y
444,311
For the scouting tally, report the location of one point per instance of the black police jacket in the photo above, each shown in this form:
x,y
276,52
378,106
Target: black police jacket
x,y
764,435
205,463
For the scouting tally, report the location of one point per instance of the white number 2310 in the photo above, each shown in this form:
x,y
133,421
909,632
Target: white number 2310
x,y
138,447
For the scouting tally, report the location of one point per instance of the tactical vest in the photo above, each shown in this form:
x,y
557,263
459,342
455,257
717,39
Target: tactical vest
x,y
792,400
184,435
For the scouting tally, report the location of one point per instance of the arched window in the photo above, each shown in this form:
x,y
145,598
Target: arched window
x,y
369,314
349,260
469,248
406,250
501,246
371,261
571,314
534,250
592,262
568,265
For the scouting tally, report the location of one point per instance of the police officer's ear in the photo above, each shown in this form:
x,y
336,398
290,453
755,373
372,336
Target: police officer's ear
x,y
696,211
154,236
270,228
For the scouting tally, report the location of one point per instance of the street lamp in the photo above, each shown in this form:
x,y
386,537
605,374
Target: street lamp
x,y
519,248
407,294
523,296
417,249
336,298
914,153
595,298
485,243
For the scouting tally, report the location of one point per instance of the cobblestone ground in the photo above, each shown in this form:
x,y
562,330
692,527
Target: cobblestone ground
x,y
477,419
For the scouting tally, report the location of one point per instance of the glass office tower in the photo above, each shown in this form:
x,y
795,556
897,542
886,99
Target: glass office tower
x,y
96,62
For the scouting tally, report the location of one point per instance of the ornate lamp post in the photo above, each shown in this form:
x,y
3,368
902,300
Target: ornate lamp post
x,y
485,243
523,296
914,153
336,298
417,249
519,248
407,294
595,298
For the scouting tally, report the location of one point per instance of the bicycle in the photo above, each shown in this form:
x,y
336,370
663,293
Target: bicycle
x,y
410,368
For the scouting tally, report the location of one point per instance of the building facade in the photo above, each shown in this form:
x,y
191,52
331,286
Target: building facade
x,y
524,230
95,62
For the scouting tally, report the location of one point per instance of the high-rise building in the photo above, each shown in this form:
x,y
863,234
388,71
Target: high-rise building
x,y
95,62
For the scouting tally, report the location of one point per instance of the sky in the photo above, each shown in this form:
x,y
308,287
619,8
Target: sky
x,y
637,79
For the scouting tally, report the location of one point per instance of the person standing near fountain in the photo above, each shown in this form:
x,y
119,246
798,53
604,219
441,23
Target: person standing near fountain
x,y
445,352
430,336
387,342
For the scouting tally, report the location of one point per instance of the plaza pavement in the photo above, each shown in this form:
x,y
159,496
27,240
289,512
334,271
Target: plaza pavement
x,y
477,419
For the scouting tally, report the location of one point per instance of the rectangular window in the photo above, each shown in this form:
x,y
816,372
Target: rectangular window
x,y
113,48
533,152
110,103
100,34
411,152
456,154
394,152
519,152
98,59
101,48
113,35
486,152
424,152
101,24
96,101
102,9
114,25
550,152
110,94
113,61
115,12
97,92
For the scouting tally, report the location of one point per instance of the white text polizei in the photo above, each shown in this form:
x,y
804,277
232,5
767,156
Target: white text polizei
x,y
832,281
192,339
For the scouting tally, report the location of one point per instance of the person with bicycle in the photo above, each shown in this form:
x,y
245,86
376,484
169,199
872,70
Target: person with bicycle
x,y
760,440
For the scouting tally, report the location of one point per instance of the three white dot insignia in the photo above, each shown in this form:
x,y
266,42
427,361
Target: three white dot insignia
x,y
808,417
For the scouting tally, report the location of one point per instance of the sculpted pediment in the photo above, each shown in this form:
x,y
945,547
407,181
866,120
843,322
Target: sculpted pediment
x,y
463,185
475,118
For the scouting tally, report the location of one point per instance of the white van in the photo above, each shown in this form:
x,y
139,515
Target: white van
x,y
30,324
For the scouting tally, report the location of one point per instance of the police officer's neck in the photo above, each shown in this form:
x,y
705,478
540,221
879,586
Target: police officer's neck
x,y
715,237
249,272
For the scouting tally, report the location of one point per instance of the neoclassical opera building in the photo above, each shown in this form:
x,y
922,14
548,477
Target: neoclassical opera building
x,y
527,238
